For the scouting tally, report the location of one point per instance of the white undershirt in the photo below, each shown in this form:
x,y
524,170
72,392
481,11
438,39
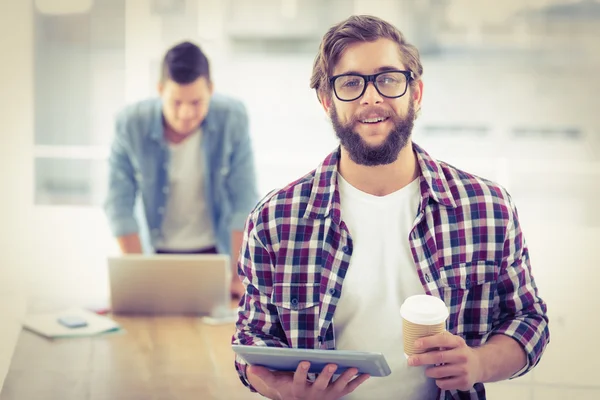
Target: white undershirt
x,y
187,223
381,275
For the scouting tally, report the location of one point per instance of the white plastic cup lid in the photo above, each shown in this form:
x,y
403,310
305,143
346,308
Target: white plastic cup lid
x,y
423,309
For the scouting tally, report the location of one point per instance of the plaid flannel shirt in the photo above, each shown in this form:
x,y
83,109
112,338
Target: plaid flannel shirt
x,y
466,243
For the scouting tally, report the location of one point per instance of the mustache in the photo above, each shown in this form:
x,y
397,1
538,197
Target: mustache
x,y
376,112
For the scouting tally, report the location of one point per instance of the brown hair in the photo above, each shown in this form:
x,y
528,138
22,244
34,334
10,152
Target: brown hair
x,y
359,28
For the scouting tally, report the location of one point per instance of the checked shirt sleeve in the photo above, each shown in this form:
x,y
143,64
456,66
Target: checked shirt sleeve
x,y
258,321
522,312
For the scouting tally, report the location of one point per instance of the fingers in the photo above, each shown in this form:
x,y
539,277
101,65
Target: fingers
x,y
444,339
348,381
324,378
445,371
300,376
344,378
457,383
356,382
454,356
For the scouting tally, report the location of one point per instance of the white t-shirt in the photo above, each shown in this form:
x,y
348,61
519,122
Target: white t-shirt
x,y
187,224
382,273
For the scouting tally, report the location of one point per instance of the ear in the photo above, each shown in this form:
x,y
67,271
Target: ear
x,y
417,93
325,99
211,87
159,88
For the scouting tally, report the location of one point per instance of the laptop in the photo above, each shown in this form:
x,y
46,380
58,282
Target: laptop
x,y
170,284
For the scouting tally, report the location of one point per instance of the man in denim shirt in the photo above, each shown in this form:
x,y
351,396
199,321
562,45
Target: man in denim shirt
x,y
188,155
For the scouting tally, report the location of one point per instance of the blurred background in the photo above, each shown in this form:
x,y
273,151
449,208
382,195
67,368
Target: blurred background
x,y
510,95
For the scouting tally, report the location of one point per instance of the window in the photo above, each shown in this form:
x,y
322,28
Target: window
x,y
79,86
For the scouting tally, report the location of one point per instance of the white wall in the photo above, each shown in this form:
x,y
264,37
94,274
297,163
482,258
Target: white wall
x,y
16,180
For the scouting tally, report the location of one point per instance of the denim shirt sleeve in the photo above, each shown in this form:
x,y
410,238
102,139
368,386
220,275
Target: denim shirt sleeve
x,y
122,185
241,180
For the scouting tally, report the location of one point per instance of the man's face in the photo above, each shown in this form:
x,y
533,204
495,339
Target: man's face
x,y
185,106
366,141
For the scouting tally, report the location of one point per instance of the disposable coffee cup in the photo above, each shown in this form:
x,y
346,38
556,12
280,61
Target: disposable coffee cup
x,y
422,315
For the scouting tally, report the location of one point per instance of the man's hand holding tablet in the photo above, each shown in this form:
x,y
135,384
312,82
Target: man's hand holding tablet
x,y
282,385
282,373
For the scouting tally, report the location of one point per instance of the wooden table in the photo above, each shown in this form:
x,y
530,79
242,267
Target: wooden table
x,y
156,358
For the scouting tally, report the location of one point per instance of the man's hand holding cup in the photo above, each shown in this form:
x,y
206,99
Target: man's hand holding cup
x,y
453,364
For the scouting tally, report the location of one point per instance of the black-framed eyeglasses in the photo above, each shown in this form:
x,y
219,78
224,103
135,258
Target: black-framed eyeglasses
x,y
390,84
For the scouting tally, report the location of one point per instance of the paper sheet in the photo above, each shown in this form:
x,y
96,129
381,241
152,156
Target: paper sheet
x,y
47,324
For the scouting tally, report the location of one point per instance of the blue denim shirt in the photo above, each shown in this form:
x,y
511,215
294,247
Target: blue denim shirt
x,y
139,163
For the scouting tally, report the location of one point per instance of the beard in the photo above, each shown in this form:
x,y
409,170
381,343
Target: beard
x,y
385,153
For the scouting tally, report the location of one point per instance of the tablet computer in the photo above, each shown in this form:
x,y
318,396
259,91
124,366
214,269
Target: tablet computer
x,y
286,359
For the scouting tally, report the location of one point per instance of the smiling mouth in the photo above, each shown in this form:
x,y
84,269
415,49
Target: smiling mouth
x,y
373,121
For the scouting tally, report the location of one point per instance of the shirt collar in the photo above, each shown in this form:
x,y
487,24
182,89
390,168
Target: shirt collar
x,y
434,184
325,199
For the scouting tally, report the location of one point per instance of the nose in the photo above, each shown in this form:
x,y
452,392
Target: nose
x,y
371,95
186,111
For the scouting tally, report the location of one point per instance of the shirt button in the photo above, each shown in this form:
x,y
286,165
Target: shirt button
x,y
161,210
165,189
224,171
468,282
332,291
427,278
346,249
294,303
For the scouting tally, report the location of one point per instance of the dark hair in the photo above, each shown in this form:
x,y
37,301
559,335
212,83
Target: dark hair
x,y
184,63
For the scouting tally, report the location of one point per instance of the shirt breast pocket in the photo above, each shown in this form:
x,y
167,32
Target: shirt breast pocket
x,y
469,290
298,309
